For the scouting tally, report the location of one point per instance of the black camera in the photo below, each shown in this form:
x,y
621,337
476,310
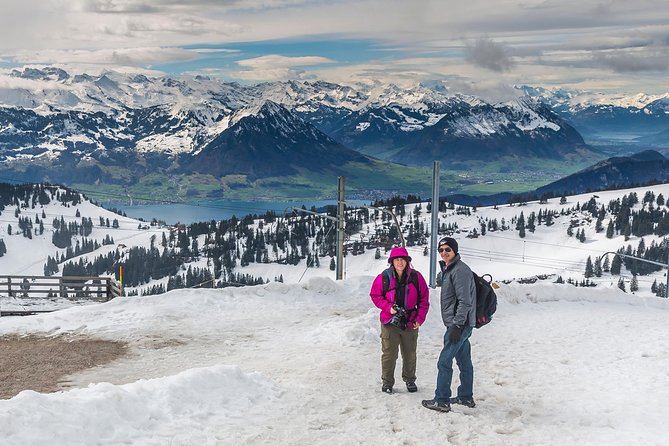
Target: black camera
x,y
400,318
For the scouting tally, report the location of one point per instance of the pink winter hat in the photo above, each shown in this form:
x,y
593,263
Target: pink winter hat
x,y
398,252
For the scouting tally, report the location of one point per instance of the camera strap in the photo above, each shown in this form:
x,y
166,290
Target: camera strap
x,y
400,286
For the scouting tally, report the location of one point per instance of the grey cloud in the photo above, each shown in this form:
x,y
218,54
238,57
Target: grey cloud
x,y
488,54
118,7
191,6
493,92
656,59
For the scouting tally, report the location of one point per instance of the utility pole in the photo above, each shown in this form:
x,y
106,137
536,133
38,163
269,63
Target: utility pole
x,y
340,229
434,224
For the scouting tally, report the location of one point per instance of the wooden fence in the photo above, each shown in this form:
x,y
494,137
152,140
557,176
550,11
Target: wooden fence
x,y
70,287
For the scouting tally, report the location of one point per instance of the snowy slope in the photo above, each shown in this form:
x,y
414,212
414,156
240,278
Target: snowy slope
x,y
547,251
27,256
299,364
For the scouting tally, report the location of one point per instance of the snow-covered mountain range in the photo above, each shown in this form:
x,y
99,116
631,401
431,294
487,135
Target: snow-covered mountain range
x,y
57,126
639,118
169,115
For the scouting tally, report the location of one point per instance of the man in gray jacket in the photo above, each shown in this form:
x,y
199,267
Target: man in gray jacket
x,y
458,311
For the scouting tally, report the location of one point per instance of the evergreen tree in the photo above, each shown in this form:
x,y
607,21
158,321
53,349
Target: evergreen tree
x,y
616,264
634,284
606,267
531,222
589,272
621,284
609,229
597,267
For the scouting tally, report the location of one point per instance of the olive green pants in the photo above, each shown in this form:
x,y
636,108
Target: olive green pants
x,y
392,339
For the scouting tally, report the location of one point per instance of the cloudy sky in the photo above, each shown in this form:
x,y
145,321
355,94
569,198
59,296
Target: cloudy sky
x,y
614,46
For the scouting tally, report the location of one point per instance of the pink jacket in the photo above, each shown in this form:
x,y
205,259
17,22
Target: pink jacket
x,y
385,303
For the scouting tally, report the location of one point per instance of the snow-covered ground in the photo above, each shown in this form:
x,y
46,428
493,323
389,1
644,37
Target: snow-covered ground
x,y
299,362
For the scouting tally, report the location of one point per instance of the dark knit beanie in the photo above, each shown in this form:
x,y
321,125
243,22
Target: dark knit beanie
x,y
451,242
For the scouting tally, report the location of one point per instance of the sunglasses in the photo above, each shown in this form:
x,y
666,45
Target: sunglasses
x,y
444,250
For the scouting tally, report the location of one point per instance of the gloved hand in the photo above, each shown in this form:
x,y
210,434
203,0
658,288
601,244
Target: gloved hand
x,y
454,334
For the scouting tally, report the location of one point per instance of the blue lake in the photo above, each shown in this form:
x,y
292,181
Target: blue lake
x,y
218,210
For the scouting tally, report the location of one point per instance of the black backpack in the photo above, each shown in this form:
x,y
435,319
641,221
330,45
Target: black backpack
x,y
486,299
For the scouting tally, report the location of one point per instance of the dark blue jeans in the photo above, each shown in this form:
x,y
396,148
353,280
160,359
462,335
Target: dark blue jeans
x,y
461,351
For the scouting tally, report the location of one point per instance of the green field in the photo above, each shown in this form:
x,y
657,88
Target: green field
x,y
379,179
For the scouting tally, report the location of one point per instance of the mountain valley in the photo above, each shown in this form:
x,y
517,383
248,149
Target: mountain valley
x,y
196,138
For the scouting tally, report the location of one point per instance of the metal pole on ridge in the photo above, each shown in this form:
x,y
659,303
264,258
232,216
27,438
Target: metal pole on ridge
x,y
434,230
340,229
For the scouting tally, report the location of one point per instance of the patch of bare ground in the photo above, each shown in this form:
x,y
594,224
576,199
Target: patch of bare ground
x,y
40,363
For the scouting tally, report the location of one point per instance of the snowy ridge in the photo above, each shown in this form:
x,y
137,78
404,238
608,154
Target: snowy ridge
x,y
525,117
547,250
298,362
214,395
578,99
278,370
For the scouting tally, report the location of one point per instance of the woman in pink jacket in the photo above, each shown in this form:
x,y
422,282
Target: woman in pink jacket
x,y
404,299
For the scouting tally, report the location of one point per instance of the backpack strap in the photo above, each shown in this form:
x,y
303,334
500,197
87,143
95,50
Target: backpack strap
x,y
413,279
385,278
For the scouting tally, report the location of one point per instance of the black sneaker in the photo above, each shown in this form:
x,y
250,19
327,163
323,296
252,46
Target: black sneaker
x,y
411,386
387,389
435,405
462,401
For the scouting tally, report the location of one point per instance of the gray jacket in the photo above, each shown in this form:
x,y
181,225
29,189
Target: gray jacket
x,y
458,294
